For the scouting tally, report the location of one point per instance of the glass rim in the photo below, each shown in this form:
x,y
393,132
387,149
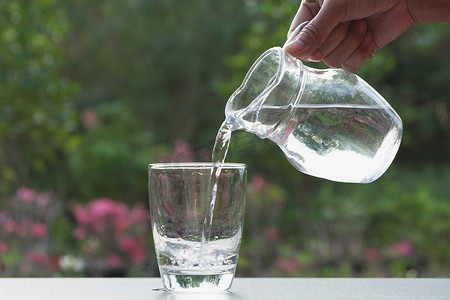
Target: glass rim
x,y
195,165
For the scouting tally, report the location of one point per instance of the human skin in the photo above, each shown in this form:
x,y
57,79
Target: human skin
x,y
347,32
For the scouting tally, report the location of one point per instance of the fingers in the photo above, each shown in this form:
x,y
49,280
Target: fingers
x,y
360,55
349,45
292,34
352,40
317,55
307,10
308,41
335,38
319,33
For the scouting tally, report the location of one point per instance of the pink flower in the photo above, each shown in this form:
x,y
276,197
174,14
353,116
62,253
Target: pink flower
x,y
134,247
287,265
23,227
54,262
183,151
258,183
139,214
3,247
25,194
372,254
99,225
272,234
81,216
38,230
121,223
120,209
43,199
9,226
102,208
137,254
127,244
37,256
115,261
79,234
401,248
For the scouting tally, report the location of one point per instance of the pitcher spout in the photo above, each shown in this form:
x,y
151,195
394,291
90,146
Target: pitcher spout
x,y
269,89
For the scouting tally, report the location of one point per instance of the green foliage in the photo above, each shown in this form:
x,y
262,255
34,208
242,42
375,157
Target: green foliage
x,y
110,157
161,60
91,92
393,227
35,119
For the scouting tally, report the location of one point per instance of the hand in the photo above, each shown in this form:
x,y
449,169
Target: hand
x,y
346,32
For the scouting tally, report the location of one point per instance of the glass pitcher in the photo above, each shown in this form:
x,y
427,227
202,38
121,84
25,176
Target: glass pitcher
x,y
329,123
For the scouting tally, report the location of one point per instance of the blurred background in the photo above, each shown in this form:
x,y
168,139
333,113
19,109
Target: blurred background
x,y
91,92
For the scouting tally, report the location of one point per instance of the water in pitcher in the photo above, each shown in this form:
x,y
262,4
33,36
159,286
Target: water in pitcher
x,y
339,142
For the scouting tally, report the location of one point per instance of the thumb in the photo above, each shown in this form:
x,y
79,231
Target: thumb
x,y
311,37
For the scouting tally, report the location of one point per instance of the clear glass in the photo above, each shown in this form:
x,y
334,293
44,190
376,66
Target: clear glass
x,y
329,123
180,198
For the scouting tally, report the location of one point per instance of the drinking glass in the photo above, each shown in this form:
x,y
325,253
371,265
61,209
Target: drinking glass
x,y
197,237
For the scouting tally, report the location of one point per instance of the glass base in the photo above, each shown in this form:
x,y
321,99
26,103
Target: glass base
x,y
185,281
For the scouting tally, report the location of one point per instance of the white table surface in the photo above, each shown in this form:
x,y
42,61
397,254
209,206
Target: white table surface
x,y
242,288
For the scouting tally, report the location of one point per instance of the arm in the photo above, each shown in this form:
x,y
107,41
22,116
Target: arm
x,y
429,11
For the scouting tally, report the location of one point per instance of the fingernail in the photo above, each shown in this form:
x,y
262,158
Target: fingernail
x,y
297,45
293,35
295,32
